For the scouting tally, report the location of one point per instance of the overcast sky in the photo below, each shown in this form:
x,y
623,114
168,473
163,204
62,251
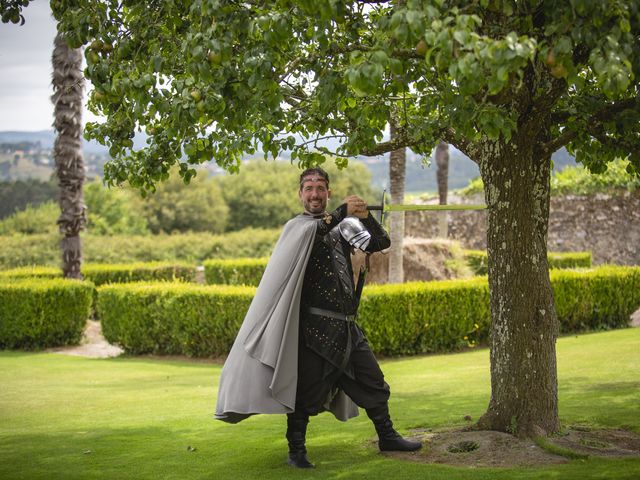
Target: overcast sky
x,y
25,66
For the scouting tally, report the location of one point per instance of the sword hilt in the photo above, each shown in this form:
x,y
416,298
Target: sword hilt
x,y
380,208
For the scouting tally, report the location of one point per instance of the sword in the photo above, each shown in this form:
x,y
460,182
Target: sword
x,y
384,207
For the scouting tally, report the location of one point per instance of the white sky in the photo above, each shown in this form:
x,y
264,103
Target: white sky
x,y
25,71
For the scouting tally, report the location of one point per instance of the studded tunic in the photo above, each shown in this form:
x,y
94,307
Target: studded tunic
x,y
328,284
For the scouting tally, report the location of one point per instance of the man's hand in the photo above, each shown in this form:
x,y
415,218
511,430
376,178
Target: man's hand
x,y
356,206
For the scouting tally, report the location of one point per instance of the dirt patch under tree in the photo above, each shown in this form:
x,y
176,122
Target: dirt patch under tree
x,y
481,448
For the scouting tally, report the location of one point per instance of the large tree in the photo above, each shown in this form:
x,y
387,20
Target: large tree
x,y
507,82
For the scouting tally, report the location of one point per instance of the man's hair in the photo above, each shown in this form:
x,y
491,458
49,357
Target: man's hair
x,y
315,172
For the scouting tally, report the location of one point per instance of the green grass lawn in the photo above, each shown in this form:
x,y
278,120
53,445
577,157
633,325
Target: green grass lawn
x,y
65,417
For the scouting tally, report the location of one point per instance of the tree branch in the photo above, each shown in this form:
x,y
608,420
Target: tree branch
x,y
593,123
600,134
400,141
450,136
560,141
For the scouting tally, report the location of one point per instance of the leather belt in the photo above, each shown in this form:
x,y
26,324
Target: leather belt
x,y
330,313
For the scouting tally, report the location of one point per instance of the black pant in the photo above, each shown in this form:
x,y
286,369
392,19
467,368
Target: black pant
x,y
362,380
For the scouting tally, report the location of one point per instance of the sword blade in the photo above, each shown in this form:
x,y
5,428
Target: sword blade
x,y
415,208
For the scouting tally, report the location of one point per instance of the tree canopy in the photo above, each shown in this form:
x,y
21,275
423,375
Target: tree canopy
x,y
213,79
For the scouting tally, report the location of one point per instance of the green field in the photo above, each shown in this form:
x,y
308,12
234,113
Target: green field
x,y
65,417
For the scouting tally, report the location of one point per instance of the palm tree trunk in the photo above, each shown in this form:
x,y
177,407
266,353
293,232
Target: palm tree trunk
x,y
397,170
442,162
68,84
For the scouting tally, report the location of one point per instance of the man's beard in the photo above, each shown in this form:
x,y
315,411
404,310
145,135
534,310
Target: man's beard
x,y
315,209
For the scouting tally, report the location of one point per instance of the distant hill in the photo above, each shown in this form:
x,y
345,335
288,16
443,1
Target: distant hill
x,y
47,137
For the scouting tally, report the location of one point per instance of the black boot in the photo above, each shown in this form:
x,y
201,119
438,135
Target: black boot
x,y
388,439
296,433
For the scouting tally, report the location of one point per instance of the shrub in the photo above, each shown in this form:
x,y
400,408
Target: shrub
x,y
565,260
42,313
39,219
23,250
20,250
601,298
253,200
173,318
475,187
477,260
238,271
121,273
442,316
578,180
176,207
113,273
113,211
421,317
418,317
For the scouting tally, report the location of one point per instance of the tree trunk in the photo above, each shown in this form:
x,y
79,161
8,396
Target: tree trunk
x,y
397,170
68,83
524,390
442,173
442,162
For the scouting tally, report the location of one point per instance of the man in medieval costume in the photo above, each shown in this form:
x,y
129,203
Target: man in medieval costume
x,y
299,350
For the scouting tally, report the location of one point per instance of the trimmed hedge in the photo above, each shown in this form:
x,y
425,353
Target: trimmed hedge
x,y
444,316
411,318
602,298
172,318
422,317
112,273
236,271
477,260
43,313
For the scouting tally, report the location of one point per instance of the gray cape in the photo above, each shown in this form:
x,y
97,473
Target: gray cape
x,y
261,372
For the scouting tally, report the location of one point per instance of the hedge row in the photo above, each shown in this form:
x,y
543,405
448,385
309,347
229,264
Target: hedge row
x,y
238,271
172,318
421,317
44,249
602,298
477,260
444,316
402,319
43,313
100,274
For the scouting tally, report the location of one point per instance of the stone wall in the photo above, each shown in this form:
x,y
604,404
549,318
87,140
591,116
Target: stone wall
x,y
606,225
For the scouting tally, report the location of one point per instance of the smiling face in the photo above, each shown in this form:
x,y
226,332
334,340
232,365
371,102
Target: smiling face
x,y
314,194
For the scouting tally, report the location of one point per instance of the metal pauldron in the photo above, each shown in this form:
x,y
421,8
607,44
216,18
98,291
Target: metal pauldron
x,y
355,233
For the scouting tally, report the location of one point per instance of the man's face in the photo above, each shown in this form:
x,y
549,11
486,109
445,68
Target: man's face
x,y
314,194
